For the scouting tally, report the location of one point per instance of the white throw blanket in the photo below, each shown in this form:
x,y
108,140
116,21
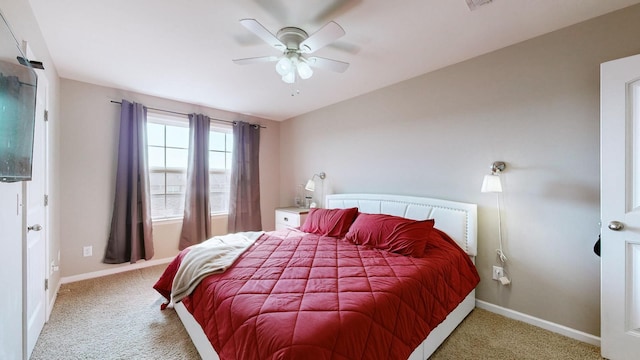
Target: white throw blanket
x,y
212,256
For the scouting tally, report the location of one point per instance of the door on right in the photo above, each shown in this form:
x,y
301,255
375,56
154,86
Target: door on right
x,y
620,207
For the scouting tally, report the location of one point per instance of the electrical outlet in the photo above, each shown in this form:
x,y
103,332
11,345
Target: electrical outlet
x,y
87,251
498,272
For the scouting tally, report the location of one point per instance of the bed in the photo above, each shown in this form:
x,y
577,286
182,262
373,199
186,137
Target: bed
x,y
417,326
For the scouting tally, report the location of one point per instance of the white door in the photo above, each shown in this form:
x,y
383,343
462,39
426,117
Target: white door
x,y
36,240
620,208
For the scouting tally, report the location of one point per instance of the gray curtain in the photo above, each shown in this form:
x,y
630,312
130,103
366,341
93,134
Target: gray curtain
x,y
196,224
131,236
244,199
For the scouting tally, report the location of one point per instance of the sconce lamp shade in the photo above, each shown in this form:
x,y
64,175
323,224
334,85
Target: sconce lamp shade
x,y
491,183
311,185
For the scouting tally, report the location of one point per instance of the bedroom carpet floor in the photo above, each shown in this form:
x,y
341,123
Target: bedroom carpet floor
x,y
119,317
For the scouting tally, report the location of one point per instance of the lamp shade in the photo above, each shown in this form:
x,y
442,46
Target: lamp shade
x,y
491,183
304,70
289,78
284,66
311,185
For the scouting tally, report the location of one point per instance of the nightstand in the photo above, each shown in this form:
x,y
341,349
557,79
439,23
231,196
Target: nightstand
x,y
290,217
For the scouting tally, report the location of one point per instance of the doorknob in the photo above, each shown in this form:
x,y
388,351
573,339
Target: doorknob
x,y
616,225
36,227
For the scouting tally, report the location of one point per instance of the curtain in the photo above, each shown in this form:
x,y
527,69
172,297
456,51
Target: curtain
x,y
244,199
131,236
196,224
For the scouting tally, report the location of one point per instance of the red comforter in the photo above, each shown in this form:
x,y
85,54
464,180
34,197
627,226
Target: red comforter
x,y
294,295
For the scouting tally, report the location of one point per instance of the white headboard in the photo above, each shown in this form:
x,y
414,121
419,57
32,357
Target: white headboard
x,y
458,220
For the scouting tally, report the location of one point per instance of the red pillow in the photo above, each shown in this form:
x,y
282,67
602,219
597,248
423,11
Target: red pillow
x,y
329,222
391,233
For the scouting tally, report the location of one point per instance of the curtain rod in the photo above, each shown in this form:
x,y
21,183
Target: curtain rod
x,y
179,113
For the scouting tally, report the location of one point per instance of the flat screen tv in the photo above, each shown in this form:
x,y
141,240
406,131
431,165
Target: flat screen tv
x,y
17,110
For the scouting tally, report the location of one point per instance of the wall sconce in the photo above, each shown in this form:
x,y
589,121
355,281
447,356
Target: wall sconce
x,y
492,184
311,184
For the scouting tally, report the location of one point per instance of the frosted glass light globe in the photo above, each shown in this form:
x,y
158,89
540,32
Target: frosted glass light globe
x,y
284,66
289,78
304,70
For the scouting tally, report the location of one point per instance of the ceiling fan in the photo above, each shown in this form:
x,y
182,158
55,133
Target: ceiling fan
x,y
295,44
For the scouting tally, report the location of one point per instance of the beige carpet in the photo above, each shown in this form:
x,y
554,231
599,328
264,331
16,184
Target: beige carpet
x,y
119,317
113,317
487,336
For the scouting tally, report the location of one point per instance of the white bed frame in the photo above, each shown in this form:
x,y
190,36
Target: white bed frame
x,y
458,220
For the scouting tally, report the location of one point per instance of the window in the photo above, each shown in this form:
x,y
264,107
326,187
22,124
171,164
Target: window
x,y
168,150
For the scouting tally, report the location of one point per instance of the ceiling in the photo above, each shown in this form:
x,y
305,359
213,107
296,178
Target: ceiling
x,y
182,50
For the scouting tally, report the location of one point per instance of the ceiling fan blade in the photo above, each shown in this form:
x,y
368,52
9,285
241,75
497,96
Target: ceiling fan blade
x,y
328,64
255,27
255,60
326,35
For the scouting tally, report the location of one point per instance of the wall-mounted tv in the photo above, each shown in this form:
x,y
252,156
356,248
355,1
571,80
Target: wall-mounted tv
x,y
17,109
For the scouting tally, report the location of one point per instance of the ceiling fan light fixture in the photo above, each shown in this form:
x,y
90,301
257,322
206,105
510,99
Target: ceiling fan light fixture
x,y
284,66
294,43
304,70
290,77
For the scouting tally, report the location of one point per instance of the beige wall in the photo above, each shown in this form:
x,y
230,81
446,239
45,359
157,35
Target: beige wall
x,y
90,124
534,105
166,235
20,17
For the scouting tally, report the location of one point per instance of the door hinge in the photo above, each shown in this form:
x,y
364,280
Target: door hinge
x,y
46,284
46,200
46,115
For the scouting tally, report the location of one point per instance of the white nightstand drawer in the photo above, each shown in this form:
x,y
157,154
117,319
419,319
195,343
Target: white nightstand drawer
x,y
290,217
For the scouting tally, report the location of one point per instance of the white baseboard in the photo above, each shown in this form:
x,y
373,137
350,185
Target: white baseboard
x,y
52,302
115,270
547,325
